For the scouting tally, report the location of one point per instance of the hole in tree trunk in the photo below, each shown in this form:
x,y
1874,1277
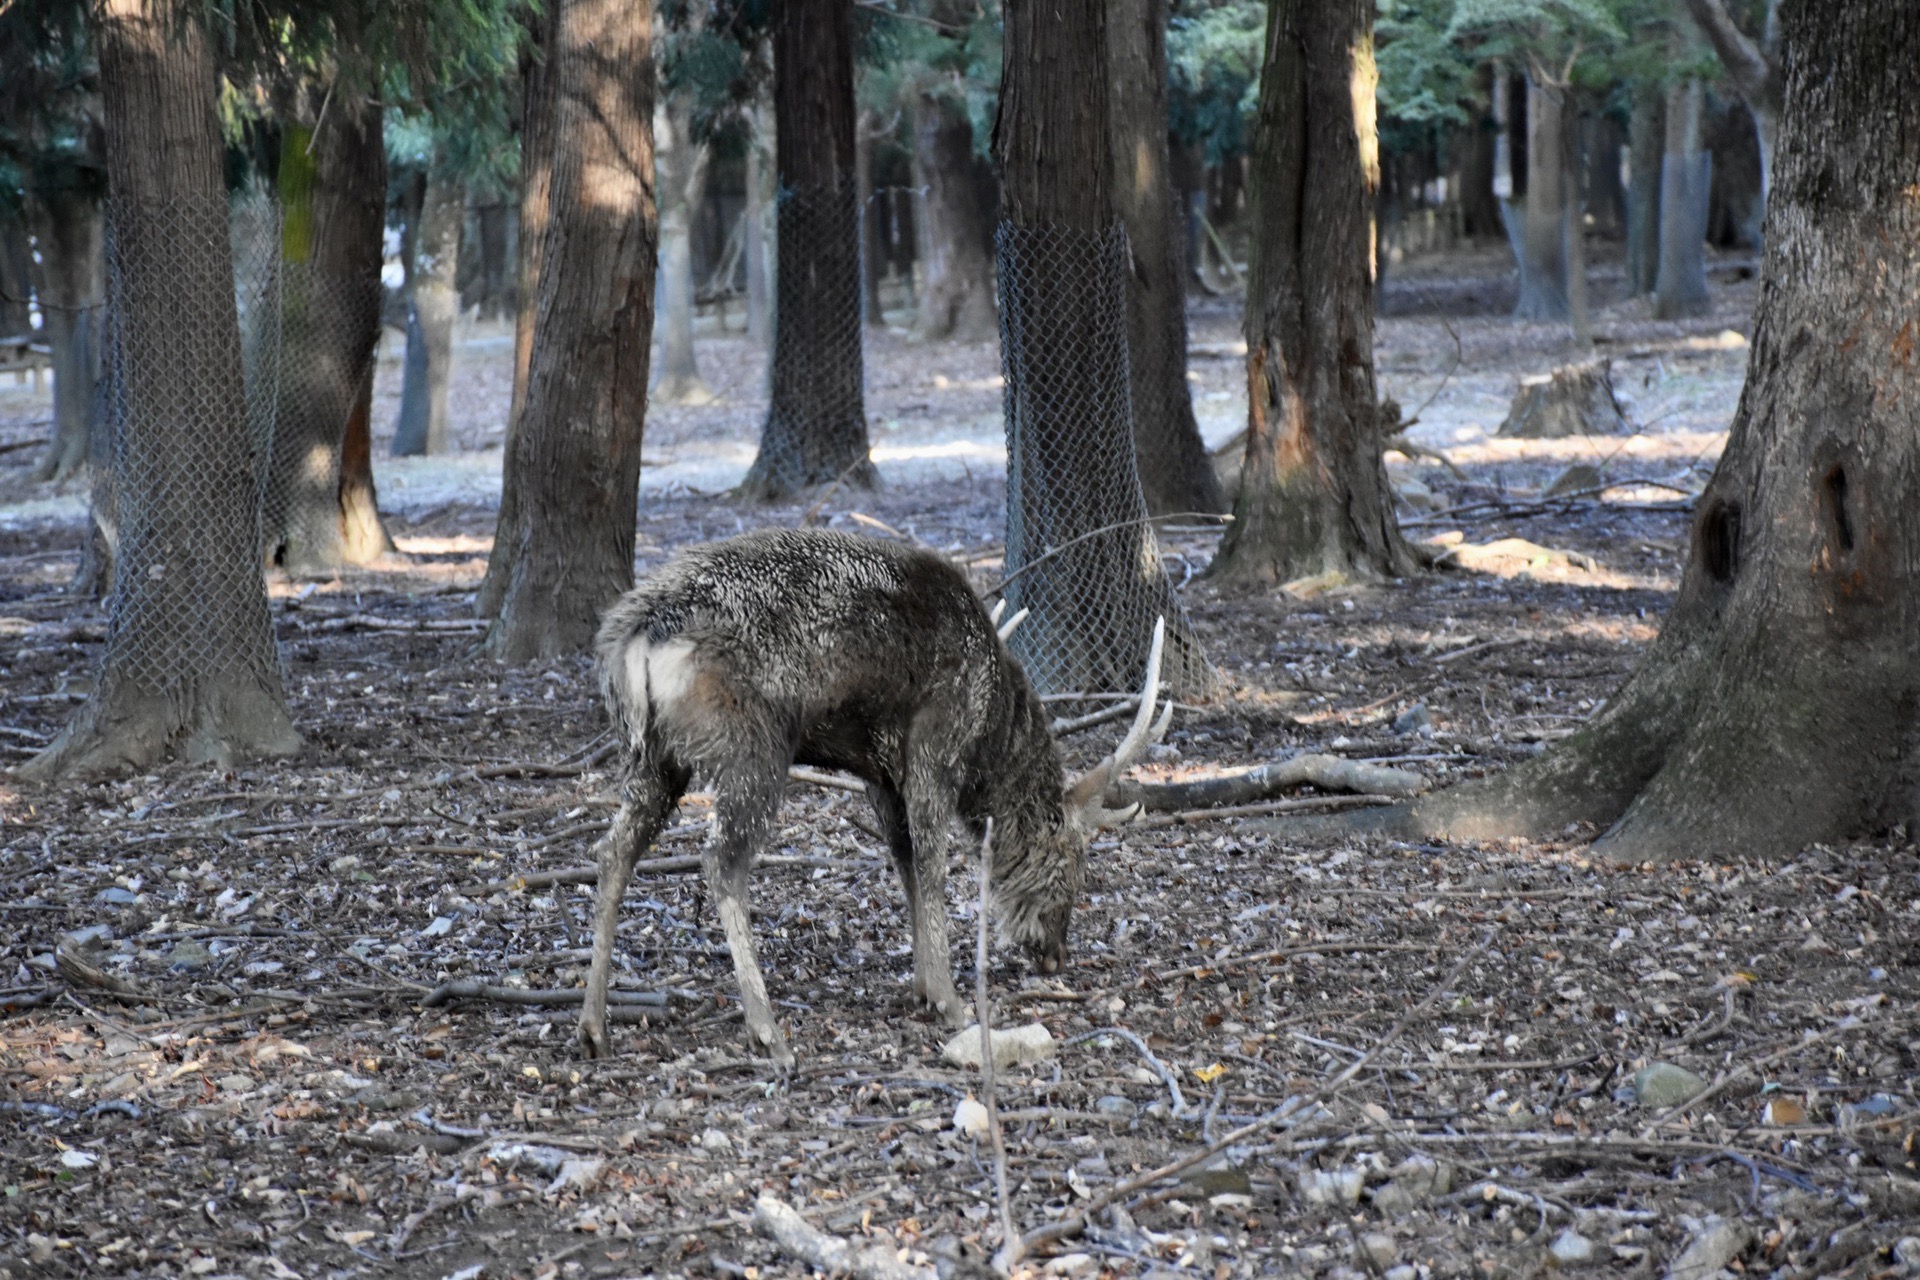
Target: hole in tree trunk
x,y
1720,540
1833,492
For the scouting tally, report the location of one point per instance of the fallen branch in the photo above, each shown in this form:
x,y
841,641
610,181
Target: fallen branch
x,y
373,622
798,1238
475,989
1286,953
79,972
1262,781
1266,807
1011,1249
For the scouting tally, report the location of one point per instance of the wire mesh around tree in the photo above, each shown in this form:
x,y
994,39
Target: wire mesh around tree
x,y
1081,553
181,506
816,427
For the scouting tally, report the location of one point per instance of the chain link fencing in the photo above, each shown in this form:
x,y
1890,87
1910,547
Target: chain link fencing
x,y
816,428
179,497
1081,552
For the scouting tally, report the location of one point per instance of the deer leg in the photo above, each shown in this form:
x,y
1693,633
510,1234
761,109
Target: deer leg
x,y
929,819
650,797
743,809
891,810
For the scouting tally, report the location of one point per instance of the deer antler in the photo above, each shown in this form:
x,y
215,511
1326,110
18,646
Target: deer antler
x,y
1006,628
1087,793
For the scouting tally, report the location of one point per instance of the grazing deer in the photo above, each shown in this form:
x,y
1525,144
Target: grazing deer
x,y
744,657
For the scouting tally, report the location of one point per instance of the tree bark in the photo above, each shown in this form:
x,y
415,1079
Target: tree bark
x,y
681,166
873,261
756,251
491,223
576,455
1776,708
433,304
69,227
816,428
536,181
956,265
1175,472
1313,493
333,193
1753,71
1646,140
1080,551
16,278
1543,238
1476,146
189,666
1680,288
363,535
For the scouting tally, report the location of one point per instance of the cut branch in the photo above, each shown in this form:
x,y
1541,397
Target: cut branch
x,y
1262,782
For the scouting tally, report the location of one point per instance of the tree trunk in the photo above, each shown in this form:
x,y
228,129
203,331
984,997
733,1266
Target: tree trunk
x,y
816,428
755,249
1476,147
1776,708
1175,472
956,267
1606,198
16,277
1313,493
1751,68
69,229
536,176
363,535
681,169
433,304
873,261
1645,143
333,194
1543,237
491,222
576,455
1080,551
1686,173
189,665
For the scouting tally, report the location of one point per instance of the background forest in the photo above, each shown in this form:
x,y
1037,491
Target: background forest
x,y
1507,407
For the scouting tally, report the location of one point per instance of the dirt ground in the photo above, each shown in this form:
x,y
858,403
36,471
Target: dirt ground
x,y
1442,1051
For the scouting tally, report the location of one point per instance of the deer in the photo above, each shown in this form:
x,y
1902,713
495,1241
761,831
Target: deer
x,y
742,658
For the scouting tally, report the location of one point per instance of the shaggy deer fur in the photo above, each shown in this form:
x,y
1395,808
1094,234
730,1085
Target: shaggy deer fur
x,y
741,658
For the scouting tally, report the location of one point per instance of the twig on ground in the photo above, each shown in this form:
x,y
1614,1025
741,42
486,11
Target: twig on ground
x,y
1154,1064
1725,1078
1264,808
1258,782
681,864
475,989
1010,1247
1287,953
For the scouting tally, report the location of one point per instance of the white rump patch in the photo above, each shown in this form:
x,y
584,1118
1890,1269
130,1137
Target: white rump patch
x,y
669,672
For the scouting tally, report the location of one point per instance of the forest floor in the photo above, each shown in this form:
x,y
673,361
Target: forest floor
x,y
239,1070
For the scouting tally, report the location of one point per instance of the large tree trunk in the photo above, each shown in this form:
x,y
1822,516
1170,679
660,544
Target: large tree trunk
x,y
1175,472
1680,288
1475,147
363,535
816,428
956,266
189,665
69,226
1313,493
873,260
1543,233
1646,141
1776,709
681,166
1752,69
1080,551
490,221
576,454
536,180
333,193
433,304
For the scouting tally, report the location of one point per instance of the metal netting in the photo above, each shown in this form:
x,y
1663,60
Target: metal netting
x,y
816,428
1081,553
181,506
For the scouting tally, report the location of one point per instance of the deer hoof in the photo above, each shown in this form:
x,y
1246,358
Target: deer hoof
x,y
769,1041
593,1040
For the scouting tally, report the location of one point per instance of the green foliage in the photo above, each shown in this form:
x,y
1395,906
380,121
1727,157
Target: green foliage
x,y
1427,80
1214,51
948,50
49,103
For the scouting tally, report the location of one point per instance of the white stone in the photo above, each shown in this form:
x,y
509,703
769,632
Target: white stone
x,y
1012,1046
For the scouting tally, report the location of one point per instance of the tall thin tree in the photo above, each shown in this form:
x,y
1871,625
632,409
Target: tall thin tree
x,y
816,427
189,666
1313,495
575,463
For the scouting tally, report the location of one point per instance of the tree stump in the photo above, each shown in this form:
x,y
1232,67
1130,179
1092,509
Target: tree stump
x,y
1573,400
